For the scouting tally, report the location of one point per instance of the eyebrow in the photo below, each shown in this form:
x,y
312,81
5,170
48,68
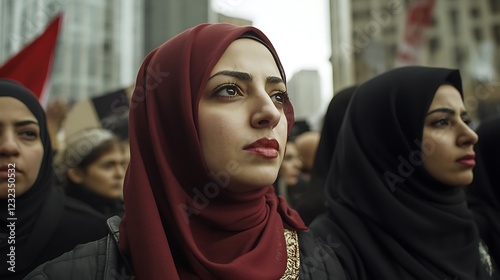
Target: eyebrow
x,y
447,111
23,123
247,77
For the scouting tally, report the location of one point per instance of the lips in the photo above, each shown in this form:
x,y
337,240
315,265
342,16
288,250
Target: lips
x,y
468,160
264,147
6,170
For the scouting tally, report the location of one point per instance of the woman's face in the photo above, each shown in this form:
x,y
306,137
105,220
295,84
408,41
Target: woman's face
x,y
451,161
242,126
103,176
21,149
290,170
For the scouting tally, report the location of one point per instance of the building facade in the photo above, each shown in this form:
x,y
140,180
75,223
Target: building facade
x,y
462,34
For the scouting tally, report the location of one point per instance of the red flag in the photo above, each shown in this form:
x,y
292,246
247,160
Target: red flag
x,y
31,66
418,18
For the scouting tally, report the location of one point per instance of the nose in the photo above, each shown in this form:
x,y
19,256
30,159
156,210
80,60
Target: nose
x,y
8,145
119,171
298,163
265,113
467,136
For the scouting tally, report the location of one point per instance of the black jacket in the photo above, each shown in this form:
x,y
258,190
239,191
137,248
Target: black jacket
x,y
102,259
95,260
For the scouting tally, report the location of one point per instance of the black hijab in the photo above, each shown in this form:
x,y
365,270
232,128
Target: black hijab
x,y
29,206
389,218
312,201
483,194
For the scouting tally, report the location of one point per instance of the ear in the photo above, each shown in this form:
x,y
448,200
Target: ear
x,y
76,175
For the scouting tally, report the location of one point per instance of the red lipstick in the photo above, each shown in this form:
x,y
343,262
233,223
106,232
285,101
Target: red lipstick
x,y
468,160
264,147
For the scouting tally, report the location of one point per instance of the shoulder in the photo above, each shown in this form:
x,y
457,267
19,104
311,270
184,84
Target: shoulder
x,y
83,260
98,259
318,259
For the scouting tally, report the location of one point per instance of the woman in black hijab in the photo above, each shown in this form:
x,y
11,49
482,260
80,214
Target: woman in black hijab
x,y
312,201
42,223
483,194
397,208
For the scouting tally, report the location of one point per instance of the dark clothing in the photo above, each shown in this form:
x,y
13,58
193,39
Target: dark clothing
x,y
312,201
43,223
483,195
390,217
102,259
106,206
74,223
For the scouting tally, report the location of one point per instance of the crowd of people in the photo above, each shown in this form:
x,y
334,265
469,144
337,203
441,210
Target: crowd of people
x,y
213,183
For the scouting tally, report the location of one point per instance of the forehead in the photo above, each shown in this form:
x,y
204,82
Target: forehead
x,y
447,95
247,53
12,108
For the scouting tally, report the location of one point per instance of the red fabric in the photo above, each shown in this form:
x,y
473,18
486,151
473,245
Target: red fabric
x,y
31,66
179,222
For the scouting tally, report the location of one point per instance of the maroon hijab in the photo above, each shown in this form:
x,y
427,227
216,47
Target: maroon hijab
x,y
179,220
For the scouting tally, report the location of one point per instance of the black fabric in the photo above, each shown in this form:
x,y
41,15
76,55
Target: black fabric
x,y
410,228
483,194
312,202
47,224
97,260
318,260
106,206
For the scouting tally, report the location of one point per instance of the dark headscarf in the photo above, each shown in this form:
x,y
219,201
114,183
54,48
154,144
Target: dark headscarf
x,y
38,200
313,200
389,217
168,230
483,194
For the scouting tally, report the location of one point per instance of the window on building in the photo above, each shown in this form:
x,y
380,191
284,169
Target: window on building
x,y
433,45
459,56
496,33
475,12
454,21
495,6
478,34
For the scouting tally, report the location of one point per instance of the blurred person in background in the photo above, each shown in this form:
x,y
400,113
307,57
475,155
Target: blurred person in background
x,y
483,194
289,183
312,202
40,222
307,145
93,165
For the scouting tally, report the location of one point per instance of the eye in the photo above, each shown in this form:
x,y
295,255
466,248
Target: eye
x,y
227,91
280,97
29,134
441,122
467,121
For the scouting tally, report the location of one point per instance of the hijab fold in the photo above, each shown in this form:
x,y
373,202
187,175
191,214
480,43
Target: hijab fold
x,y
180,222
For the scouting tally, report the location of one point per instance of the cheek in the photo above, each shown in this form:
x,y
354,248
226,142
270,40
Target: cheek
x,y
34,160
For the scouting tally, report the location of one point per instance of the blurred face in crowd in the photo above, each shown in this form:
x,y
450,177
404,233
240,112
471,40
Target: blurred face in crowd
x,y
290,170
20,145
241,119
103,176
446,127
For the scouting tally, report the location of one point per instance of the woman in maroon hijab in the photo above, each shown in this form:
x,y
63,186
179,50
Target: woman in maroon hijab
x,y
209,120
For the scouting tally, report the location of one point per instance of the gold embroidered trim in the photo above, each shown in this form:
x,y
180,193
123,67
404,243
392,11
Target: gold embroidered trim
x,y
485,258
293,256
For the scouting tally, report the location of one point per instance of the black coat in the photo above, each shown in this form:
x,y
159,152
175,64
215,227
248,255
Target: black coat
x,y
102,259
